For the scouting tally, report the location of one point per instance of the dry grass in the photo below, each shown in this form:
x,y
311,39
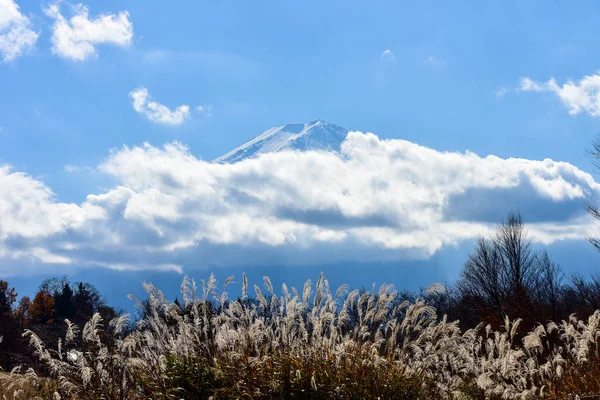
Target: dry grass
x,y
315,344
5,381
15,385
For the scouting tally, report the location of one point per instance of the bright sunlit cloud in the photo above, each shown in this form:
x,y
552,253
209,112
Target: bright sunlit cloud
x,y
77,37
579,97
16,35
155,111
377,199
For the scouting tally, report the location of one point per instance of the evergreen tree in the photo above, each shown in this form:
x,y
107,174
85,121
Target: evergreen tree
x,y
8,296
65,306
87,300
8,327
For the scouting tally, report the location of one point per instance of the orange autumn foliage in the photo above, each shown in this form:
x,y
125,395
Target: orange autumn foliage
x,y
42,309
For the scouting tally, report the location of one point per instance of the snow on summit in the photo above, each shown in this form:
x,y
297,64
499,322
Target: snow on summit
x,y
315,135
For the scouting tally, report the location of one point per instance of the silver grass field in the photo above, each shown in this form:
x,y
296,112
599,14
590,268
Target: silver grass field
x,y
308,344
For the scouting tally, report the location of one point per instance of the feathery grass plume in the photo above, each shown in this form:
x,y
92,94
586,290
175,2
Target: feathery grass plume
x,y
368,345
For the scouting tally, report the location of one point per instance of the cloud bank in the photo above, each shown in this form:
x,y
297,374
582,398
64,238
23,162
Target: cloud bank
x,y
375,200
578,97
76,38
155,111
16,37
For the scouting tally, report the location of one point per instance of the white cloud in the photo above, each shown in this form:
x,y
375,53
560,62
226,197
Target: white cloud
x,y
527,85
16,37
387,55
578,97
28,209
76,38
378,199
157,112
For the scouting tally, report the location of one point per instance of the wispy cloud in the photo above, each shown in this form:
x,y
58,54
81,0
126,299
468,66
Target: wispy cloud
x,y
156,56
76,38
503,91
205,109
387,55
16,36
435,63
378,199
155,111
384,68
78,169
579,97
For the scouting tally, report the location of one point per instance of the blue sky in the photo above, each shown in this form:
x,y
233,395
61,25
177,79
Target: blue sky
x,y
446,76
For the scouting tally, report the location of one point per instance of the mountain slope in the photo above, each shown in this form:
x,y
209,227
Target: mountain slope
x,y
315,135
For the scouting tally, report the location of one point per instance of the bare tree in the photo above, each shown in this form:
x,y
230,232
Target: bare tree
x,y
481,276
519,262
593,209
550,286
54,286
588,291
503,272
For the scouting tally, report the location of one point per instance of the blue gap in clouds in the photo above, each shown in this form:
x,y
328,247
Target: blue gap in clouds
x,y
116,285
443,267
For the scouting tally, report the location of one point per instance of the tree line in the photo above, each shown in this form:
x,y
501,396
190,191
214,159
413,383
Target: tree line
x,y
506,276
56,299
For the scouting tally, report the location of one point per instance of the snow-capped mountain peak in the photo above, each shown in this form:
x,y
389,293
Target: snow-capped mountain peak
x,y
315,135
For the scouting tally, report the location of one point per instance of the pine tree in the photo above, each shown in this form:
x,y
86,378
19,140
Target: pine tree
x,y
87,300
8,296
65,306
